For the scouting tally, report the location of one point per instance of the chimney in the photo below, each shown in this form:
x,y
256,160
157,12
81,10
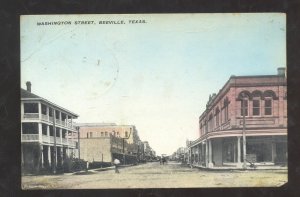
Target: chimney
x,y
28,84
281,71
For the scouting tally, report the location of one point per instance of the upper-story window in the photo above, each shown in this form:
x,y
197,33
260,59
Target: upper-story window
x,y
106,134
210,123
44,109
44,129
63,116
256,107
268,106
200,128
57,132
205,126
244,98
126,134
269,97
91,134
31,108
256,102
226,104
102,134
50,112
51,130
244,107
64,133
57,114
217,117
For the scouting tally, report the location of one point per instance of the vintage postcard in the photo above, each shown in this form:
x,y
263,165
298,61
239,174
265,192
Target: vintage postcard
x,y
153,101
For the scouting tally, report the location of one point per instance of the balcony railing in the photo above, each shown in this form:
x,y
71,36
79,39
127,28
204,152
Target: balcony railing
x,y
31,115
46,138
30,137
64,141
45,117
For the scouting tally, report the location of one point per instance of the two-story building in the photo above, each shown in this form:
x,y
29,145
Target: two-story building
x,y
103,142
48,133
253,106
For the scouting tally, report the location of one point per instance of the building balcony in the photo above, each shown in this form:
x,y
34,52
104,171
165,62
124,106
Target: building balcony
x,y
30,138
49,119
48,139
31,116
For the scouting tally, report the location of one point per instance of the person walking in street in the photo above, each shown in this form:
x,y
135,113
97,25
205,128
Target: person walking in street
x,y
116,163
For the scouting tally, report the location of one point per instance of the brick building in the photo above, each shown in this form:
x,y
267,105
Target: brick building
x,y
103,142
221,124
48,133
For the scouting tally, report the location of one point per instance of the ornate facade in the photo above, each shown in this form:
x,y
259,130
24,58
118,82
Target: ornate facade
x,y
221,124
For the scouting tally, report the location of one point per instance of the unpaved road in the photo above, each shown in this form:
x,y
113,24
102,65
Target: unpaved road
x,y
154,175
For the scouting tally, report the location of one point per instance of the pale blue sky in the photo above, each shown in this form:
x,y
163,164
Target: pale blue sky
x,y
157,76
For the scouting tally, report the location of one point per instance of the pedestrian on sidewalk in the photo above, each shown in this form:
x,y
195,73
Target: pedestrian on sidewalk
x,y
116,163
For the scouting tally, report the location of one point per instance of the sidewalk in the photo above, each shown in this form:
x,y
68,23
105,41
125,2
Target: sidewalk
x,y
258,167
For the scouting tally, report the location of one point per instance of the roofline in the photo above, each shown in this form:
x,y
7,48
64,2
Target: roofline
x,y
53,104
236,77
101,125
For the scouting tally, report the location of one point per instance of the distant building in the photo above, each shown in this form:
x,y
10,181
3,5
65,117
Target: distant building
x,y
48,133
103,142
221,124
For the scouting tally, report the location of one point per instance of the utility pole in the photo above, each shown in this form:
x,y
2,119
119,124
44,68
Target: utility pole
x,y
244,132
123,147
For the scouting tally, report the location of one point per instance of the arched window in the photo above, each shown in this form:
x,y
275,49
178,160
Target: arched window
x,y
201,128
256,102
270,94
244,98
217,113
257,93
225,107
210,123
268,106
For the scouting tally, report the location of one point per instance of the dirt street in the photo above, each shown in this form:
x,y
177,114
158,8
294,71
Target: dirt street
x,y
154,175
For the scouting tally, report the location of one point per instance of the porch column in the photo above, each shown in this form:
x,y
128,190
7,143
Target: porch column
x,y
22,110
239,164
273,152
40,110
206,153
42,156
210,164
40,132
67,137
49,155
47,112
202,153
199,155
55,155
239,149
